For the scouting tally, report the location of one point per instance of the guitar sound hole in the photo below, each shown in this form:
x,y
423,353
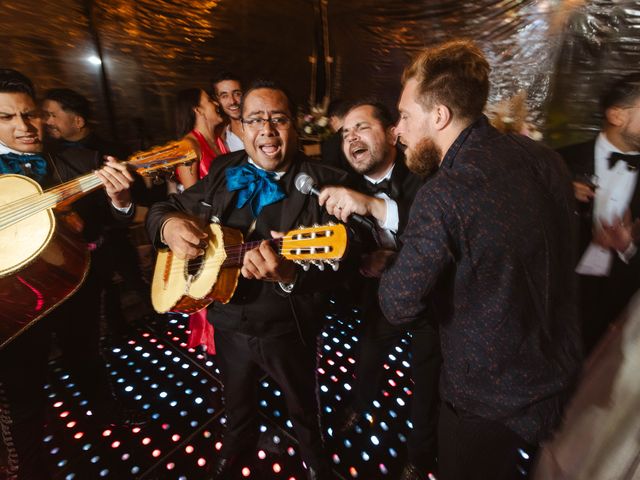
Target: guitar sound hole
x,y
194,267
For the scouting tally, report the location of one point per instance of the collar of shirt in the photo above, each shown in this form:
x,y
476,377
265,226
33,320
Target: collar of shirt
x,y
601,152
447,161
615,185
233,141
4,149
278,175
387,176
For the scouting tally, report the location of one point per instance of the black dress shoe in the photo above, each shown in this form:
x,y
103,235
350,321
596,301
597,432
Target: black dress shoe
x,y
321,473
221,468
411,472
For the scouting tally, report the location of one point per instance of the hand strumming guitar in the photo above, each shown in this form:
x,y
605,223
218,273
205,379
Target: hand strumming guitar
x,y
183,236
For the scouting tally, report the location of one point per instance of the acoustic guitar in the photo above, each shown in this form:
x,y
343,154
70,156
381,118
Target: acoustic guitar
x,y
42,260
186,286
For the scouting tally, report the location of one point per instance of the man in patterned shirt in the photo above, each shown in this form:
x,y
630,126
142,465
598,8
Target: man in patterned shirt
x,y
490,241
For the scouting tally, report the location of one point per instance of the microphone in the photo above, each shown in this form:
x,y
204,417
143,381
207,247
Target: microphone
x,y
306,185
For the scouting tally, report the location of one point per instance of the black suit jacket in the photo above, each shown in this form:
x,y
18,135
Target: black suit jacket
x,y
580,159
95,209
296,210
404,185
493,231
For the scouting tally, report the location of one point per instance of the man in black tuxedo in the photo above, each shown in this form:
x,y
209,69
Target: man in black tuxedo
x,y
489,248
272,321
388,188
611,161
23,362
68,119
331,148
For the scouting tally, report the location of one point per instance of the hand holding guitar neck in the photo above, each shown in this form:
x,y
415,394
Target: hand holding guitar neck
x,y
117,181
263,263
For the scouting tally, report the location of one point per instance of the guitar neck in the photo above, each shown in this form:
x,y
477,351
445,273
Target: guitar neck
x,y
235,253
156,160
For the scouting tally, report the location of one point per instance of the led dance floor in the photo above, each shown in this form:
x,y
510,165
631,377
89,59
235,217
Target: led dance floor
x,y
179,391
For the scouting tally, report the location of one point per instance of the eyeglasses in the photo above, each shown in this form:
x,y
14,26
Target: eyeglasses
x,y
280,123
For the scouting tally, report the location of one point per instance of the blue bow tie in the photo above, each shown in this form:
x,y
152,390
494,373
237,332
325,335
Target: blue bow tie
x,y
34,166
256,187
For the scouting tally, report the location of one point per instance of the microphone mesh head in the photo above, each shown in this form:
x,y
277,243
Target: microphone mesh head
x,y
304,183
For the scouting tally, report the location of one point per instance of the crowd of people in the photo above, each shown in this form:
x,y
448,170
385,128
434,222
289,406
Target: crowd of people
x,y
505,260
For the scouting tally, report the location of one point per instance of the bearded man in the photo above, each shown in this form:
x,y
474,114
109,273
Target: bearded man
x,y
489,247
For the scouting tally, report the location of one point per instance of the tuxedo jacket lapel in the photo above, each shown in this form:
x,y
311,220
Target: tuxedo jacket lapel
x,y
295,201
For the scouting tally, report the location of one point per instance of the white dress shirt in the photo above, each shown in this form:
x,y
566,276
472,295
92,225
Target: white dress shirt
x,y
234,142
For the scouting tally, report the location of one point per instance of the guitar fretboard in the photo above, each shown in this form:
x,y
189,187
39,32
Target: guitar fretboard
x,y
235,253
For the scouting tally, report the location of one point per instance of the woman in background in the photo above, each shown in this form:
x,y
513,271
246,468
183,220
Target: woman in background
x,y
199,119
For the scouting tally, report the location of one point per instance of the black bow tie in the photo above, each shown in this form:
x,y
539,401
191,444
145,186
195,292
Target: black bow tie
x,y
633,161
381,187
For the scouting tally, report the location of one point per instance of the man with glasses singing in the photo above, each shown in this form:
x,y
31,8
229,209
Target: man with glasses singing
x,y
270,324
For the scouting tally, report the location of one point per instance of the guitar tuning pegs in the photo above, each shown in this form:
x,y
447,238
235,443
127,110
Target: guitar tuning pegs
x,y
305,265
335,264
331,224
316,225
318,264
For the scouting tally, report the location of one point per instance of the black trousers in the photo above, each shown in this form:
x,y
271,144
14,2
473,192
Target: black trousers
x,y
242,360
474,448
376,342
23,372
76,324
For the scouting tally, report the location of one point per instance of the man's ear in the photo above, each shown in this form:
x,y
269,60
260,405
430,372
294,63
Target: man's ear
x,y
616,116
79,122
443,116
391,136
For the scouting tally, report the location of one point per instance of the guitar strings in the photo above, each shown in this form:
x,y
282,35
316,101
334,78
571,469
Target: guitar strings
x,y
234,254
30,205
26,207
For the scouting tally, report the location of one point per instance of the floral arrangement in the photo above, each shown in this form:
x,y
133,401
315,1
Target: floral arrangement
x,y
511,115
315,123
